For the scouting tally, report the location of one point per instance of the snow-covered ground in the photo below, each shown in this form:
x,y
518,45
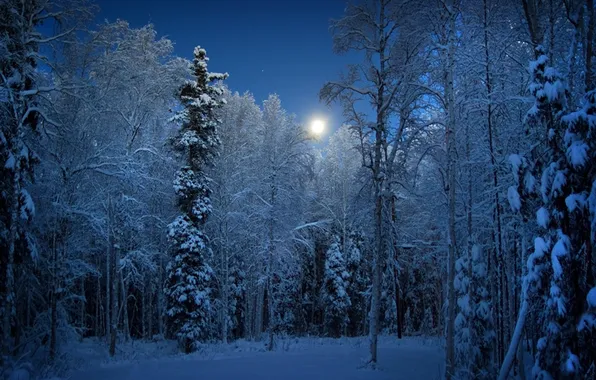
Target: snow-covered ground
x,y
293,359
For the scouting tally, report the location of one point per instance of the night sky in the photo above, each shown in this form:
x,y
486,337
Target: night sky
x,y
267,46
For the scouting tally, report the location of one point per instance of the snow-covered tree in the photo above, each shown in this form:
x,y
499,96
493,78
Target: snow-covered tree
x,y
554,183
474,334
463,320
281,155
357,283
106,147
25,104
567,190
189,288
378,28
541,122
481,325
335,291
20,117
230,226
285,291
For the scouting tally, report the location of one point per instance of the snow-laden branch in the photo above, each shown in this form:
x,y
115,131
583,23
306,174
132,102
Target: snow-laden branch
x,y
318,223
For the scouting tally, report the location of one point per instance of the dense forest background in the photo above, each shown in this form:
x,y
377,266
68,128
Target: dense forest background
x,y
457,200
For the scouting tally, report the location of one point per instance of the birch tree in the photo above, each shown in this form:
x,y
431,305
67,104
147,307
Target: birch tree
x,y
369,27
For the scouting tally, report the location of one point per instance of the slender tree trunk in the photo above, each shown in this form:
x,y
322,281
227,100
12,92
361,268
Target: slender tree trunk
x,y
551,30
225,297
520,361
149,311
97,304
160,298
520,324
260,309
114,306
108,273
114,283
124,305
375,300
451,157
28,316
398,304
144,297
534,27
82,310
270,285
589,45
498,251
515,340
9,296
470,243
247,316
378,180
54,312
512,282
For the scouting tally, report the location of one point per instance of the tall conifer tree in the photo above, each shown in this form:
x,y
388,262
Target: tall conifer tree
x,y
189,289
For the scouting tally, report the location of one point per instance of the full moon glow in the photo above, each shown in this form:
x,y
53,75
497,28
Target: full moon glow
x,y
317,127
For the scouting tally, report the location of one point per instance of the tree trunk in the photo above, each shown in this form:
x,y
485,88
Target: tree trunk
x,y
260,308
376,288
160,299
271,251
144,297
589,43
9,296
451,157
520,324
398,305
534,27
470,239
270,303
225,300
378,180
97,305
82,310
124,306
517,335
54,295
114,306
520,361
149,310
114,283
497,282
28,316
108,275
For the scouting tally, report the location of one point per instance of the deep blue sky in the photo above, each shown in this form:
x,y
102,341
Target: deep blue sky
x,y
267,46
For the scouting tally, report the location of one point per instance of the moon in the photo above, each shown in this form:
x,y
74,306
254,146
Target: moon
x,y
317,127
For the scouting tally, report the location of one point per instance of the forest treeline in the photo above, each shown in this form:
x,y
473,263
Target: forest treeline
x,y
141,198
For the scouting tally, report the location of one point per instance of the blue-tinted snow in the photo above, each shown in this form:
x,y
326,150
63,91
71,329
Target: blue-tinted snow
x,y
309,359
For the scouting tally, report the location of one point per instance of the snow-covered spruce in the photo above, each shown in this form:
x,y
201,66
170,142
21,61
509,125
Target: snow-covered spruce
x,y
567,224
463,320
474,323
357,282
559,266
335,295
190,281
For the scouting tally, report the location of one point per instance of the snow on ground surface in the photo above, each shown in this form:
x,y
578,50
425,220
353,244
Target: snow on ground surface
x,y
293,359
